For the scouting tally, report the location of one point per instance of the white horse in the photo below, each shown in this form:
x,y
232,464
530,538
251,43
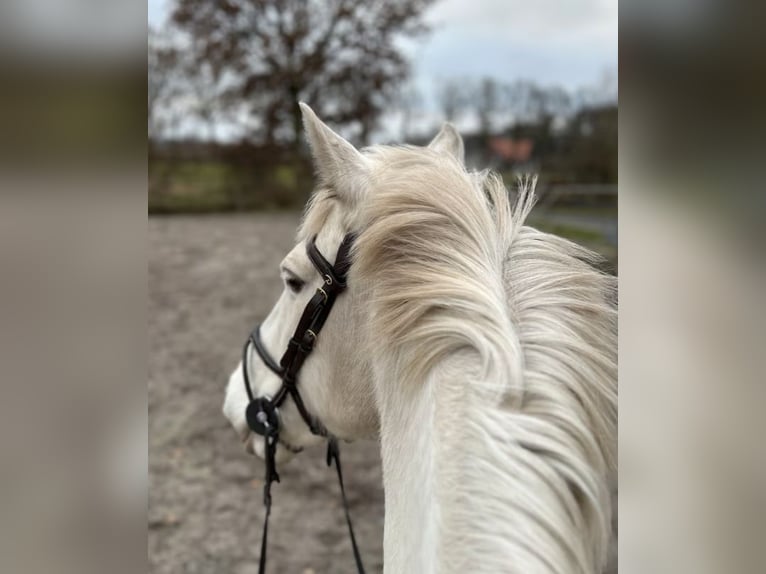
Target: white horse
x,y
482,352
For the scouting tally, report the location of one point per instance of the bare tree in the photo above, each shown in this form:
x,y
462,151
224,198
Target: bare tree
x,y
487,104
204,93
603,92
179,87
161,82
341,56
452,98
530,102
556,103
524,100
408,102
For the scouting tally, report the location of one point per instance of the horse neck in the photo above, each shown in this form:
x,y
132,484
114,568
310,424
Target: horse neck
x,y
420,430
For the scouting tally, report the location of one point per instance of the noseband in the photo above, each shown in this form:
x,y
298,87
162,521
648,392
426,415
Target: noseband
x,y
262,413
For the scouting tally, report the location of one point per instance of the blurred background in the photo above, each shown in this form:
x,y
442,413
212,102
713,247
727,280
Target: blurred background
x,y
532,87
76,309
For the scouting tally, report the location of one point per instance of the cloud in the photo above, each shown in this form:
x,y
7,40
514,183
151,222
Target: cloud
x,y
557,41
563,42
158,12
527,19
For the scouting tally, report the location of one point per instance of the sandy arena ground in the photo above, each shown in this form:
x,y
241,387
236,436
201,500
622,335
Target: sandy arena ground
x,y
211,278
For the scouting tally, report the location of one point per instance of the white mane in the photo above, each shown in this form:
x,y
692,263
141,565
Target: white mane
x,y
527,441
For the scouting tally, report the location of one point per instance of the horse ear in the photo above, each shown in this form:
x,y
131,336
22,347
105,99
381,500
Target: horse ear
x,y
448,140
338,164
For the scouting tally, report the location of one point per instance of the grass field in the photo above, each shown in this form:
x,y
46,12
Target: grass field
x,y
209,186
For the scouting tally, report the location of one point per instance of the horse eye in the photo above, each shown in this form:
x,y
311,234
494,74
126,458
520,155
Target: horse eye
x,y
294,284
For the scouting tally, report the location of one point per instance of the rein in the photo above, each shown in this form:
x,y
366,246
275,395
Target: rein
x,y
262,413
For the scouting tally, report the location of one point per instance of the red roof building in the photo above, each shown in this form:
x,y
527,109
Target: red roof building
x,y
511,150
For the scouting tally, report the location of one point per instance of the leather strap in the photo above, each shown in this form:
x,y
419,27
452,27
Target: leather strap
x,y
262,412
333,454
255,338
270,449
335,273
264,541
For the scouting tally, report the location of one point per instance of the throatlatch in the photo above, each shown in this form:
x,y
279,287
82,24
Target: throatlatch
x,y
262,413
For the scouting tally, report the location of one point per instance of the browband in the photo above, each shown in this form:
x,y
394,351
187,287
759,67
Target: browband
x,y
335,273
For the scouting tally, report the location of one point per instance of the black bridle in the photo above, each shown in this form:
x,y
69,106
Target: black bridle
x,y
262,413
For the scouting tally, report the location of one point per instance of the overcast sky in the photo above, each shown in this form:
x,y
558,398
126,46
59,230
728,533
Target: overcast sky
x,y
567,42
